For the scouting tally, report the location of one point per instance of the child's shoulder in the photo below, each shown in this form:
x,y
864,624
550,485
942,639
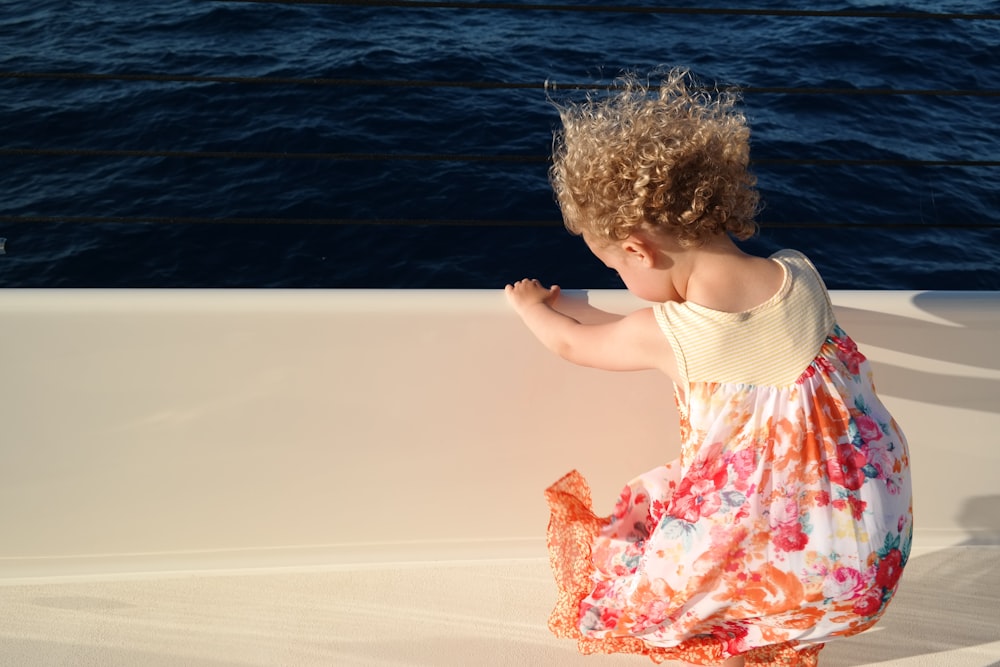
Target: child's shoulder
x,y
737,284
794,258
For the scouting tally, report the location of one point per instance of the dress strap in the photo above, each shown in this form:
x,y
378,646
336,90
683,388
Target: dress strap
x,y
663,320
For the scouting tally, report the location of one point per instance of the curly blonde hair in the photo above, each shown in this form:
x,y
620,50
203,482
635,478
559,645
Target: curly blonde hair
x,y
676,162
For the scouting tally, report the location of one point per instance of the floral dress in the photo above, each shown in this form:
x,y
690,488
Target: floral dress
x,y
786,522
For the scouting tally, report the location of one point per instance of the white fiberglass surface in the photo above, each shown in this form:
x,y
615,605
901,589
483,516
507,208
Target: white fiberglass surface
x,y
355,477
433,614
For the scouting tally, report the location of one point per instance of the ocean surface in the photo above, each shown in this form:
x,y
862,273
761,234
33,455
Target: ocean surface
x,y
207,143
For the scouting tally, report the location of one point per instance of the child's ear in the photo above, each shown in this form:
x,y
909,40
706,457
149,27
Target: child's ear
x,y
638,249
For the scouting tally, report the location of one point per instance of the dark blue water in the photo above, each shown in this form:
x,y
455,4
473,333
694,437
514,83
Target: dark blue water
x,y
909,227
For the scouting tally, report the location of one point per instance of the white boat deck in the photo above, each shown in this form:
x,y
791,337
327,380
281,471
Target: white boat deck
x,y
354,478
456,614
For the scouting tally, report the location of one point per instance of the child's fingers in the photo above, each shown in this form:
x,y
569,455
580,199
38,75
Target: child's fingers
x,y
531,289
525,281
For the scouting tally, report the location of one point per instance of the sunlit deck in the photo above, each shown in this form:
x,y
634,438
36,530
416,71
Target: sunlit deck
x,y
354,477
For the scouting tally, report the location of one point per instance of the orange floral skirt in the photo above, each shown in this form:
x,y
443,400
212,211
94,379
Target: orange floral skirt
x,y
573,527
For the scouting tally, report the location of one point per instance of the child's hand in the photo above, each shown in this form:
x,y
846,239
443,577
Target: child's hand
x,y
528,292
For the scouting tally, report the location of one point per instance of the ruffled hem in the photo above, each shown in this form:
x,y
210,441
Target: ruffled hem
x,y
573,528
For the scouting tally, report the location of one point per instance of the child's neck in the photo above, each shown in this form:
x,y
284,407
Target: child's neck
x,y
690,266
719,275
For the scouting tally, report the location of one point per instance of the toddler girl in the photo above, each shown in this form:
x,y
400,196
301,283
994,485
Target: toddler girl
x,y
787,519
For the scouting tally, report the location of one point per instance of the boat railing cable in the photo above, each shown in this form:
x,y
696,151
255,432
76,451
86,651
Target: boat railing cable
x,y
436,222
441,157
634,9
151,77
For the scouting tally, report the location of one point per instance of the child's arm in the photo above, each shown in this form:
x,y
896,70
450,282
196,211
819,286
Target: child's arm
x,y
630,343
